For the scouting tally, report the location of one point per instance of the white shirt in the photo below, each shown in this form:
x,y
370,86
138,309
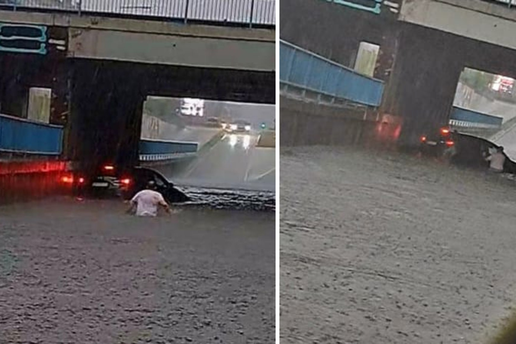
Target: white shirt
x,y
147,202
497,160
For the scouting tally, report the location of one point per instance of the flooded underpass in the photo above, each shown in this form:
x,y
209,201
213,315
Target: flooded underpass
x,y
81,270
387,248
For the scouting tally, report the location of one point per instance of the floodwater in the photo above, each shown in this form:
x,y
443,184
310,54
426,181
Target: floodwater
x,y
379,248
86,272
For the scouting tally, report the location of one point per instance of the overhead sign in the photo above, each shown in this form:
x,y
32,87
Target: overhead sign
x,y
19,38
372,6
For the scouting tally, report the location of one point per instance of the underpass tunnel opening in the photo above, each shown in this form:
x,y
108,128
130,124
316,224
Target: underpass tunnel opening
x,y
234,142
111,101
477,88
485,107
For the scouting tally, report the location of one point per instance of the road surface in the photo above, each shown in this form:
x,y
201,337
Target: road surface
x,y
234,162
85,272
390,249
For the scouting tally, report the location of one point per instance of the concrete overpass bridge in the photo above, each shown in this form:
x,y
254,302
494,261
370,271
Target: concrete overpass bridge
x,y
424,46
102,63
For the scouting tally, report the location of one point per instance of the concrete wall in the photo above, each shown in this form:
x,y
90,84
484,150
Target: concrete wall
x,y
335,31
156,129
475,19
304,124
172,50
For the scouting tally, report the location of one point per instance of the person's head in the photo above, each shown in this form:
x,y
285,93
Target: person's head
x,y
151,185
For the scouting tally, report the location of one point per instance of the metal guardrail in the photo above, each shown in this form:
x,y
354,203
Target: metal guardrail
x,y
465,118
508,3
18,135
305,70
156,150
245,12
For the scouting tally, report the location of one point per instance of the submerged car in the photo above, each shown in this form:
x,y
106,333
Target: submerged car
x,y
102,181
109,181
436,142
239,126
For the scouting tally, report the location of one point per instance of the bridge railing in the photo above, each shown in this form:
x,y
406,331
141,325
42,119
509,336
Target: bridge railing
x,y
465,118
158,150
508,3
22,136
244,12
305,70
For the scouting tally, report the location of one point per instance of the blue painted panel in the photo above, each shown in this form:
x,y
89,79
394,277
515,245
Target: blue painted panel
x,y
22,136
285,61
465,115
300,65
309,71
317,74
166,147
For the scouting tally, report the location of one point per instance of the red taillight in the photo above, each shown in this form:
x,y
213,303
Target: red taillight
x,y
81,180
445,131
423,138
67,179
109,168
450,143
126,181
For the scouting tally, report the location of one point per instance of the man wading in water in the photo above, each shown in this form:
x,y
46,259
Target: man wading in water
x,y
147,202
496,161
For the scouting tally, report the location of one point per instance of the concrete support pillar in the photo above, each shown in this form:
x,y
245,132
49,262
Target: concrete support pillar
x,y
106,113
61,94
422,86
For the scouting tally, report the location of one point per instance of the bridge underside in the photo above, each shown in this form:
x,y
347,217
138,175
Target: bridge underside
x,y
100,102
